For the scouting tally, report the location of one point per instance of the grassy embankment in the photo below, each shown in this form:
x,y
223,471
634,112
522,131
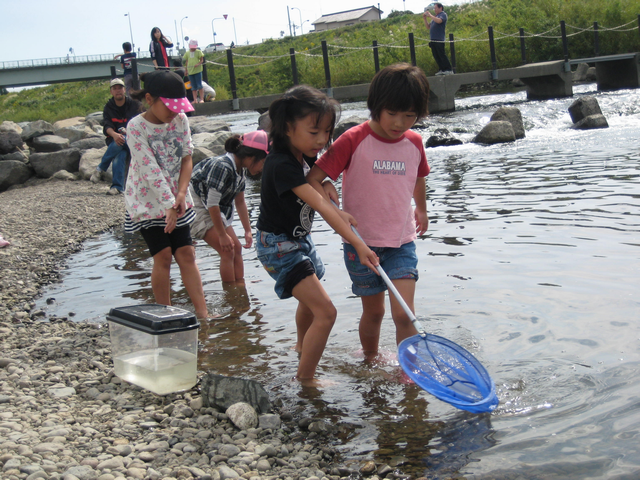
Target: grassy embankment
x,y
268,71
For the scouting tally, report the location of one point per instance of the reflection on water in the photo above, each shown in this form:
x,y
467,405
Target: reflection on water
x,y
530,263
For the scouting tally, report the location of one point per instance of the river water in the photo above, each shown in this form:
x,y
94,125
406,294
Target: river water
x,y
530,262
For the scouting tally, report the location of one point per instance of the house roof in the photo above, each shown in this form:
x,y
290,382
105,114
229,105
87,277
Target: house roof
x,y
344,16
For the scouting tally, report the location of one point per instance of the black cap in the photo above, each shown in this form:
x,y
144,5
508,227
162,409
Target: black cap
x,y
163,83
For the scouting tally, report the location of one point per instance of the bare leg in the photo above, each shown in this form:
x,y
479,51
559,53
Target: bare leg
x,y
161,276
404,326
231,263
370,322
186,259
304,318
310,292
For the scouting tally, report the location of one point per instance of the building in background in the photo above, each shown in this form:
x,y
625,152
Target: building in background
x,y
348,18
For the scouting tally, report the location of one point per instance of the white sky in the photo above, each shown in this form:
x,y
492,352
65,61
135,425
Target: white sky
x,y
34,29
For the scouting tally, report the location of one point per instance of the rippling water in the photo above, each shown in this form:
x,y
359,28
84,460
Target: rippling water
x,y
530,262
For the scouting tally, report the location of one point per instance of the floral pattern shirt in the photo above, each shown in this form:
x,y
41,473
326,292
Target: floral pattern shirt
x,y
157,151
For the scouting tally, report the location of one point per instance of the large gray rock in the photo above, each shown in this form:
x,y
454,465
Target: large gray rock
x,y
496,132
592,121
442,137
46,164
511,115
211,141
207,125
75,133
13,172
94,117
199,154
9,142
264,122
89,160
36,129
583,107
20,155
580,74
222,392
346,124
93,141
50,143
9,126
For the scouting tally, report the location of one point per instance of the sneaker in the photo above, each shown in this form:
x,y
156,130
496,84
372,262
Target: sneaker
x,y
448,72
441,73
114,191
96,176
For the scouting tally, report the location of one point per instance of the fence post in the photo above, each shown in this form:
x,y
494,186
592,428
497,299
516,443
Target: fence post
x,y
523,50
232,78
325,57
638,23
376,57
294,67
412,49
135,78
565,44
596,39
452,49
492,48
205,75
113,72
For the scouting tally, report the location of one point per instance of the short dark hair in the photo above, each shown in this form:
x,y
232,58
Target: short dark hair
x,y
400,88
126,46
438,4
296,104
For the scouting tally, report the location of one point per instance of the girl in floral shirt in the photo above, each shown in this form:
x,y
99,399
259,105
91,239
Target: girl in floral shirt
x,y
157,198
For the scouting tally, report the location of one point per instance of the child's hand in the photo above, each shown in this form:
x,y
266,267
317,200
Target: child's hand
x,y
171,217
180,206
226,243
422,221
367,257
248,239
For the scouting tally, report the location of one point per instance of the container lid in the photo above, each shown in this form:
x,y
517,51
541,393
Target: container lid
x,y
154,319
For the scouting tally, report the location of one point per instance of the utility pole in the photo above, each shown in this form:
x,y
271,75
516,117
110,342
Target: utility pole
x,y
289,18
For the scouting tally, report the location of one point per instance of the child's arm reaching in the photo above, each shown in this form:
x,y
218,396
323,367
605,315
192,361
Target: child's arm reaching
x,y
316,179
180,204
320,204
420,197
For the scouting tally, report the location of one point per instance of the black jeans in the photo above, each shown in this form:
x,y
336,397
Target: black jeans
x,y
437,48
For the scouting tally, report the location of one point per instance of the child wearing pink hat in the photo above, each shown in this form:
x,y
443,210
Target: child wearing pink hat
x,y
217,185
193,60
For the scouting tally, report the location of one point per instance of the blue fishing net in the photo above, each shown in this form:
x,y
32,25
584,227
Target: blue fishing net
x,y
448,372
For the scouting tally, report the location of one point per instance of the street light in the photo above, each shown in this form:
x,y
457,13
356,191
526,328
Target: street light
x,y
181,32
130,31
300,18
223,17
301,31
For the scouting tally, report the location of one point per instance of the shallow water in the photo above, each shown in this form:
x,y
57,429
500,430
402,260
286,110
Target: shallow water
x,y
530,262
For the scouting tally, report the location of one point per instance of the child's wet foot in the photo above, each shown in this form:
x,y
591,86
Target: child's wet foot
x,y
315,382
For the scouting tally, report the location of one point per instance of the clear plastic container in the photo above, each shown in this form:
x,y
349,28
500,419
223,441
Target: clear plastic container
x,y
155,346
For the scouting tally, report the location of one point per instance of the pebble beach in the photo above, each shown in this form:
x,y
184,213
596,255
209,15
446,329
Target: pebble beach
x,y
63,412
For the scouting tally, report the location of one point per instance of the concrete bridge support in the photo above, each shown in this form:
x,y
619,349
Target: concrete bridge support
x,y
618,74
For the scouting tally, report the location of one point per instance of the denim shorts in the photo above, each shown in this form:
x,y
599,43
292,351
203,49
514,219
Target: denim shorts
x,y
398,263
279,254
196,81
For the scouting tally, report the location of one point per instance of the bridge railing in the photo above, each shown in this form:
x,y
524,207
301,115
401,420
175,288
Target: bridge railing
x,y
68,60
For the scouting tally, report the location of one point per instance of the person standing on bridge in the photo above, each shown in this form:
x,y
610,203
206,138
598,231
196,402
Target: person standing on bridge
x,y
116,115
436,24
158,48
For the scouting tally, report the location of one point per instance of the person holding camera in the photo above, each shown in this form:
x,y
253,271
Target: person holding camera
x,y
436,24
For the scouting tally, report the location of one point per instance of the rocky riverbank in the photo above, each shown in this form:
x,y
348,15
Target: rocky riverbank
x,y
63,413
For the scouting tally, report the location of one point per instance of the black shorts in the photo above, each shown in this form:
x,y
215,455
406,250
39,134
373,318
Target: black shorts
x,y
157,240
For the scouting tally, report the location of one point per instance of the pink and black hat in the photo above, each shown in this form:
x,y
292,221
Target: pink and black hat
x,y
169,87
258,140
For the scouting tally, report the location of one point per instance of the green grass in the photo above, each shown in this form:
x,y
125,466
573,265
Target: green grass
x,y
266,68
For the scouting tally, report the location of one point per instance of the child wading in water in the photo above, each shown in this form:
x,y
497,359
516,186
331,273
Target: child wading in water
x,y
384,165
302,123
156,194
216,184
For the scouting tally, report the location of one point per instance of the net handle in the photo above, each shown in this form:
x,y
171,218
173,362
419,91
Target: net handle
x,y
393,288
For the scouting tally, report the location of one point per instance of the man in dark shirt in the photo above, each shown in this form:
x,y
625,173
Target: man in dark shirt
x,y
436,24
116,114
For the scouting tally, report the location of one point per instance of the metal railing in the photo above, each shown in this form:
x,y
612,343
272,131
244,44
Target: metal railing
x,y
68,60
